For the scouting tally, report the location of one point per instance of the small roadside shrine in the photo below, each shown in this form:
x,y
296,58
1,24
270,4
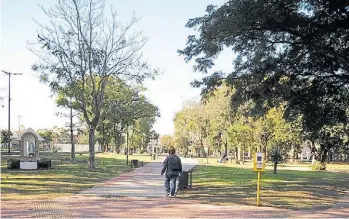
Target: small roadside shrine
x,y
29,146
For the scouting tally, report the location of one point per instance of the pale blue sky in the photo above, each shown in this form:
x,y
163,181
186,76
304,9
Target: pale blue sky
x,y
162,22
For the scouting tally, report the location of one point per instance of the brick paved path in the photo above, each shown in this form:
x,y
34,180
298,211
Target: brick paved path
x,y
141,207
102,202
142,182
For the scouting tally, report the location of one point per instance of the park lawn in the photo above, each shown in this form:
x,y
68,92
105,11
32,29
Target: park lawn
x,y
63,179
291,189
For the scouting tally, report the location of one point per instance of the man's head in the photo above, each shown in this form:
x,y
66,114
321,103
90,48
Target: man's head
x,y
172,150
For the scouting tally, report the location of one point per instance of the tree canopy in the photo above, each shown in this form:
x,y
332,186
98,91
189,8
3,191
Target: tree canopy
x,y
292,52
81,49
222,130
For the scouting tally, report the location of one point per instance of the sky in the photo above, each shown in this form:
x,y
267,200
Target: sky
x,y
163,22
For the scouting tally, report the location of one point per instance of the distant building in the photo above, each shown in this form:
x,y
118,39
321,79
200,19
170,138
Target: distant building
x,y
154,145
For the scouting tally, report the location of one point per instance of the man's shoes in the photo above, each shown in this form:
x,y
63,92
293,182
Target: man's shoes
x,y
167,194
173,196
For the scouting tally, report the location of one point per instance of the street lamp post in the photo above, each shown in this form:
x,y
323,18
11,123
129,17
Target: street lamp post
x,y
9,108
127,147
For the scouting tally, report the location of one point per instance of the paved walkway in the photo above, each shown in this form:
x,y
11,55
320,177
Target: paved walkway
x,y
142,182
139,194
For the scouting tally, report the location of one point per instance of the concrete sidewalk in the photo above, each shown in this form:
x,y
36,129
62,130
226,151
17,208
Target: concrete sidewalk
x,y
145,181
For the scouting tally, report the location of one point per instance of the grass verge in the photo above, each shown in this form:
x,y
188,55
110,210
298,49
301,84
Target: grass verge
x,y
291,189
64,178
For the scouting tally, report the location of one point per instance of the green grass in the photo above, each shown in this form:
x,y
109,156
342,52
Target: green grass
x,y
64,179
236,184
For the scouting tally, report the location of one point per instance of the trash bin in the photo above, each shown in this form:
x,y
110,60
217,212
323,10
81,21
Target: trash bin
x,y
183,180
134,163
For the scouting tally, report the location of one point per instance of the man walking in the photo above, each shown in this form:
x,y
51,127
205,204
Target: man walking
x,y
173,167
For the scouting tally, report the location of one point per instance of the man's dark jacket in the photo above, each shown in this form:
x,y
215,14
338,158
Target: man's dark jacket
x,y
172,165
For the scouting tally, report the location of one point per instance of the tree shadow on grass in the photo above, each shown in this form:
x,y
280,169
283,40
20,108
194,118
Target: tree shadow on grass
x,y
64,177
288,189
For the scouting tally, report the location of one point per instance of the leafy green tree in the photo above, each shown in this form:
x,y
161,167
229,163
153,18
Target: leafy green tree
x,y
182,138
291,52
167,141
124,106
217,112
47,135
4,136
81,49
141,132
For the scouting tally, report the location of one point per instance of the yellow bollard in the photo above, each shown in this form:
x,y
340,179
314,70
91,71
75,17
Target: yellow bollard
x,y
258,187
258,166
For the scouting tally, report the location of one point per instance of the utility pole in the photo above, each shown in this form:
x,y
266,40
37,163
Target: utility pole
x,y
72,132
19,122
127,149
9,108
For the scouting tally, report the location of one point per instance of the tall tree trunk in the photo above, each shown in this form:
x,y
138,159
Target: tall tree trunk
x,y
202,148
297,150
226,147
265,148
236,153
239,153
324,155
118,142
91,144
275,167
292,152
243,154
330,156
276,159
118,139
103,137
115,138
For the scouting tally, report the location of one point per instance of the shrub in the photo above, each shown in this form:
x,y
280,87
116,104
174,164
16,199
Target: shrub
x,y
318,166
44,163
13,164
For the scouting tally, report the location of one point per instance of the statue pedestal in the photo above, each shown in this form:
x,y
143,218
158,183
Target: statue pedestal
x,y
28,164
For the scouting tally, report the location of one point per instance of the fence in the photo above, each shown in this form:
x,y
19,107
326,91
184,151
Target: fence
x,y
79,148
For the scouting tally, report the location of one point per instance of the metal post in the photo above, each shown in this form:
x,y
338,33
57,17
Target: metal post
x,y
72,132
9,115
258,187
126,144
191,178
9,108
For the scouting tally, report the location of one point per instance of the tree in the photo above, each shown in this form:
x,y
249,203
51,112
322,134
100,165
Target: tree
x,y
81,50
167,141
141,132
181,136
47,135
65,100
4,137
237,129
218,117
104,133
125,106
290,51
